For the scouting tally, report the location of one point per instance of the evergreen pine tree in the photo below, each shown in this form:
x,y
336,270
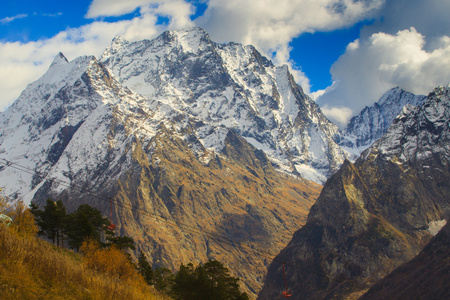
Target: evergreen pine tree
x,y
145,269
163,279
51,220
120,242
85,222
209,281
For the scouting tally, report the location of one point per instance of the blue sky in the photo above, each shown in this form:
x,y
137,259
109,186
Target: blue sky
x,y
344,53
40,19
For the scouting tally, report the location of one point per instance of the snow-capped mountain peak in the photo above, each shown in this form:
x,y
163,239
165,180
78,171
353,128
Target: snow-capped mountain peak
x,y
180,128
117,43
59,59
420,130
180,78
372,122
59,124
231,86
192,40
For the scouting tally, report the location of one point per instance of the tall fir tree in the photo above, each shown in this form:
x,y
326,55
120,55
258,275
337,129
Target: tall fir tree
x,y
85,222
51,220
145,269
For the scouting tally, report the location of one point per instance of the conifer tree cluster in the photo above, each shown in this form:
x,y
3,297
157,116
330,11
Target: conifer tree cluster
x,y
207,281
86,222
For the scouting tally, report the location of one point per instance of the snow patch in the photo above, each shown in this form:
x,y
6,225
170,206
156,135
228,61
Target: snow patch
x,y
310,173
435,226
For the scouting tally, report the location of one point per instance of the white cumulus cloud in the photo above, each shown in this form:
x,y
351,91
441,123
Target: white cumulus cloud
x,y
178,11
337,114
371,66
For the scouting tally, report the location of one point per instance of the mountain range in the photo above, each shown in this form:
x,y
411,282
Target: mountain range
x,y
201,150
186,188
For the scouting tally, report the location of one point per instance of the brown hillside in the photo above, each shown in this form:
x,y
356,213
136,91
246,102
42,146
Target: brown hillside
x,y
233,208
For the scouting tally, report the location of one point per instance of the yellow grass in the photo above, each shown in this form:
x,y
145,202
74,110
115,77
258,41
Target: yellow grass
x,y
31,268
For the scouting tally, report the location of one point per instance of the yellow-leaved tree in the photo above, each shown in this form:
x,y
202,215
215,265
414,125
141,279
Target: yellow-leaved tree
x,y
112,261
23,221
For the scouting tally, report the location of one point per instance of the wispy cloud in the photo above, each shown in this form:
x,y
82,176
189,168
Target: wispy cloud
x,y
53,15
10,19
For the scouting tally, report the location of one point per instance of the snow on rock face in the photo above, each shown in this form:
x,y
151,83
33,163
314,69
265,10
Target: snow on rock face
x,y
372,122
187,77
420,132
76,121
435,226
60,126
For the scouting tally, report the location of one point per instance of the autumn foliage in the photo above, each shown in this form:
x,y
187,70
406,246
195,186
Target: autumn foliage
x,y
31,268
111,261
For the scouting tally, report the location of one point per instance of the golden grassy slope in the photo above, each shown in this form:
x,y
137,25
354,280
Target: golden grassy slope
x,y
31,268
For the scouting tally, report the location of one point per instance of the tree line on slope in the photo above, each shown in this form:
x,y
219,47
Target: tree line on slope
x,y
207,281
86,222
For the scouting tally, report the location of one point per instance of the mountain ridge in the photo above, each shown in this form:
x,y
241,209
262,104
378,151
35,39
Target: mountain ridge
x,y
233,86
373,121
177,130
367,219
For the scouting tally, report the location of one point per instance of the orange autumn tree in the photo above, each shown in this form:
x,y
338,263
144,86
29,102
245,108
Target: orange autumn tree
x,y
110,260
23,220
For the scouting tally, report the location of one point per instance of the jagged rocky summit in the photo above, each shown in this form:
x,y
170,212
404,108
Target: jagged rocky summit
x,y
196,143
186,77
188,137
373,121
375,214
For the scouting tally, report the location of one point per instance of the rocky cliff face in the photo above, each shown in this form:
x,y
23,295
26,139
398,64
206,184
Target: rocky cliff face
x,y
373,122
178,161
182,210
375,214
424,277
